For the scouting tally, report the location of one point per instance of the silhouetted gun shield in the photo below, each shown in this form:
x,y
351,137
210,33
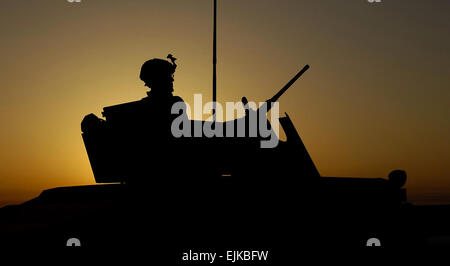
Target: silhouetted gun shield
x,y
139,154
135,145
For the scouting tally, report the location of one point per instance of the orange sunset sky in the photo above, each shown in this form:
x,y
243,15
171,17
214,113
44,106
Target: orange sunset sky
x,y
377,96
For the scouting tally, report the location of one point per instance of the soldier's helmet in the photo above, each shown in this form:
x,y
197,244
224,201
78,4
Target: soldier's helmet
x,y
156,69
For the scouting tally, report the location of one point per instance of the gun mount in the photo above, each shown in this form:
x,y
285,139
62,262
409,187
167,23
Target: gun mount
x,y
127,142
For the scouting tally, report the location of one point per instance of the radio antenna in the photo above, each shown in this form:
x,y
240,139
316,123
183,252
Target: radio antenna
x,y
214,60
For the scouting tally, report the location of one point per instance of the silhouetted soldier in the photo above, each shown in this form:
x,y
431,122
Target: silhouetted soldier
x,y
152,112
158,76
139,131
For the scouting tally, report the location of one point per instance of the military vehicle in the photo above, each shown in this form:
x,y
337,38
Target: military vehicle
x,y
272,180
234,174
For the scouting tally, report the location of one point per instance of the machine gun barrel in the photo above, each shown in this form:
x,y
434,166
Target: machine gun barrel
x,y
289,84
280,92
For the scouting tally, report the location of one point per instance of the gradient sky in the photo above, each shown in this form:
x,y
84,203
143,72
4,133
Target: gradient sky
x,y
377,96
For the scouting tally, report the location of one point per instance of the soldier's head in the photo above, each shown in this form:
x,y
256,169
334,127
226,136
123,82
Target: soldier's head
x,y
158,75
